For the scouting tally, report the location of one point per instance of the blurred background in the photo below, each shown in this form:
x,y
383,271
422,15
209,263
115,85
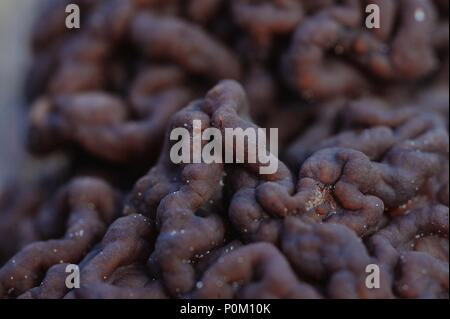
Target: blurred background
x,y
16,19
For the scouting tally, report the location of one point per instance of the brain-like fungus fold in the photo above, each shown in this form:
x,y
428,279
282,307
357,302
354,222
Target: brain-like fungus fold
x,y
90,205
349,181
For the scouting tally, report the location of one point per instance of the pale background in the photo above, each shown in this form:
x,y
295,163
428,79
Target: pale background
x,y
16,19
